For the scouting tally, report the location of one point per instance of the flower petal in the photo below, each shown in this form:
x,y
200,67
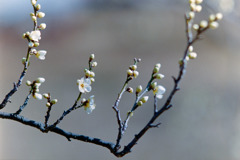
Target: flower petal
x,y
87,88
160,89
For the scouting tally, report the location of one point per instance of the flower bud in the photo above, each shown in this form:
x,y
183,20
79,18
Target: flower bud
x,y
38,7
42,26
54,101
193,6
130,113
129,72
203,24
135,74
34,18
24,60
30,44
36,44
94,64
219,16
144,99
133,67
198,8
28,83
153,85
92,56
140,103
192,55
212,17
37,96
92,74
24,36
159,76
191,14
190,48
46,95
139,89
92,80
196,27
156,70
40,14
180,62
33,2
83,100
40,80
129,89
48,104
213,25
158,65
87,72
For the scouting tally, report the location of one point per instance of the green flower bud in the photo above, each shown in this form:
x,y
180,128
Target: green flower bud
x,y
139,89
144,99
54,101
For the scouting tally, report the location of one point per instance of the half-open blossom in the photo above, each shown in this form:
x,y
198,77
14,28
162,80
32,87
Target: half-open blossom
x,y
41,54
90,105
35,35
159,91
84,85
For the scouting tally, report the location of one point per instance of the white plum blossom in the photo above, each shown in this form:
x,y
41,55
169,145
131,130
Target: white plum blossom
x,y
159,91
41,54
90,105
35,35
84,85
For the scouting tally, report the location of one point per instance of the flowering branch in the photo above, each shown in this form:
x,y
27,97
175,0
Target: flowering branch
x,y
85,85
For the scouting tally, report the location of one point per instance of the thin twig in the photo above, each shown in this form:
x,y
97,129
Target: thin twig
x,y
24,104
65,113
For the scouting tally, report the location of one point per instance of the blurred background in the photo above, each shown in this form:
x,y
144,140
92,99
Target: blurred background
x,y
204,122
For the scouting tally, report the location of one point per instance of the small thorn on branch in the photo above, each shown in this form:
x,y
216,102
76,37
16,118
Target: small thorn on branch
x,y
154,125
169,106
174,79
68,139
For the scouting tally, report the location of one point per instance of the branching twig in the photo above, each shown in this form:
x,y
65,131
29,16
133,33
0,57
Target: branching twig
x,y
122,125
24,104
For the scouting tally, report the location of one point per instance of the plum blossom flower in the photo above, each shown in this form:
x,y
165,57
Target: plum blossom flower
x,y
41,54
35,35
159,91
90,105
84,85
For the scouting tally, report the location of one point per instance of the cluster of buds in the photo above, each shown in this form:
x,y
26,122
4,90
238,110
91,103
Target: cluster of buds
x,y
155,73
195,5
88,72
158,90
132,72
142,100
34,36
50,101
35,87
211,23
191,53
84,84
